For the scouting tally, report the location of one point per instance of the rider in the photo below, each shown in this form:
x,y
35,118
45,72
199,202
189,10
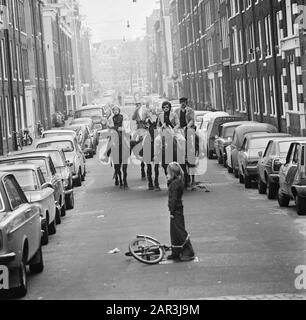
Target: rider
x,y
186,115
167,120
143,118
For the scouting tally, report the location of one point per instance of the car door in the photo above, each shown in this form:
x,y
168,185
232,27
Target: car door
x,y
57,183
48,196
264,160
25,218
288,170
242,155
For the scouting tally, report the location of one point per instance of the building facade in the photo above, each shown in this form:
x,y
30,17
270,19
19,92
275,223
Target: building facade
x,y
22,70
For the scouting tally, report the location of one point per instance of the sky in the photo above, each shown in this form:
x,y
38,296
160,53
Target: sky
x,y
108,19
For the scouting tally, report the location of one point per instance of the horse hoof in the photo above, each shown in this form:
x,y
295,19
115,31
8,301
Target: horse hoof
x,y
144,178
151,188
157,189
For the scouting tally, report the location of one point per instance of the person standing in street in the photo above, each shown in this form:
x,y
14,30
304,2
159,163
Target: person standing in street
x,y
181,245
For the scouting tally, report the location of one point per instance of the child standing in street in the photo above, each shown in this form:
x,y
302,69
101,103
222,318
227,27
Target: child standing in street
x,y
180,239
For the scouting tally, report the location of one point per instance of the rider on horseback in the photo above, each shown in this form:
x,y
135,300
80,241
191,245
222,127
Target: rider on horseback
x,y
168,123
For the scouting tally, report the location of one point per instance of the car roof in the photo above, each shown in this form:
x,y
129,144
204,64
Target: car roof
x,y
236,123
58,131
55,139
90,107
79,120
289,139
18,167
258,125
253,136
25,156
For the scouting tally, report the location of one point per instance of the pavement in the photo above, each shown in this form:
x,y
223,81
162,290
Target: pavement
x,y
247,247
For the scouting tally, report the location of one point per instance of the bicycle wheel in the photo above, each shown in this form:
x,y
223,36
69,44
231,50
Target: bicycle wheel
x,y
147,250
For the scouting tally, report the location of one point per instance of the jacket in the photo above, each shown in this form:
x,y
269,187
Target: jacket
x,y
173,119
190,116
175,200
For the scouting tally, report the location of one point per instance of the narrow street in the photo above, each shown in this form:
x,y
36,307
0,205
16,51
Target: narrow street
x,y
245,244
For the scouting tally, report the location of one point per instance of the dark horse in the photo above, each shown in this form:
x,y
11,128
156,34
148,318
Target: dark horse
x,y
119,148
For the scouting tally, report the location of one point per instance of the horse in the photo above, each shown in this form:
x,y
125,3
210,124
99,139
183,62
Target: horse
x,y
119,146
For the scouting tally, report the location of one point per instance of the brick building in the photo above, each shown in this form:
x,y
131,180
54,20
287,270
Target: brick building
x,y
22,66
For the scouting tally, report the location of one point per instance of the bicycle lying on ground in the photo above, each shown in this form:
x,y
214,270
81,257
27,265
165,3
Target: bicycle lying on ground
x,y
148,250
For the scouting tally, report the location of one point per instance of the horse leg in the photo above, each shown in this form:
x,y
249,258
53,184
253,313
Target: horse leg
x,y
119,175
116,175
143,172
124,169
149,174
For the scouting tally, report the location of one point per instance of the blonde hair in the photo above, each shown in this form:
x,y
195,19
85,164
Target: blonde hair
x,y
176,170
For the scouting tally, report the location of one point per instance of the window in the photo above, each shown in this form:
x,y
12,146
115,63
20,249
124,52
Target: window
x,y
14,193
268,34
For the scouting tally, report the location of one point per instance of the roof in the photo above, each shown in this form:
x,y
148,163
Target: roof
x,y
264,135
255,126
288,139
90,107
233,124
25,156
35,151
55,139
17,167
58,131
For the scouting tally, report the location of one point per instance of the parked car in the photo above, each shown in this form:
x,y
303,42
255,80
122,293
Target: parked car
x,y
99,115
20,234
270,163
62,166
56,133
292,178
94,133
213,130
73,154
86,141
252,148
45,163
209,116
38,192
238,138
199,114
225,138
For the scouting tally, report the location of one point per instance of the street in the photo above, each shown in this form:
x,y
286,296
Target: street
x,y
245,244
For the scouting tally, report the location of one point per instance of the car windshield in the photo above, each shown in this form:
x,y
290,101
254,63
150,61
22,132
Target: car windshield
x,y
89,113
57,159
41,163
229,132
284,148
27,180
57,134
66,146
258,143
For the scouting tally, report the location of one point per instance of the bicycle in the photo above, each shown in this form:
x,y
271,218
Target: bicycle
x,y
27,139
150,251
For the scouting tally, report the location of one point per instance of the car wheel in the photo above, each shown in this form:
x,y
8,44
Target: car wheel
x,y
271,190
79,179
22,289
37,263
52,227
262,187
58,219
300,206
283,200
247,182
45,236
70,201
